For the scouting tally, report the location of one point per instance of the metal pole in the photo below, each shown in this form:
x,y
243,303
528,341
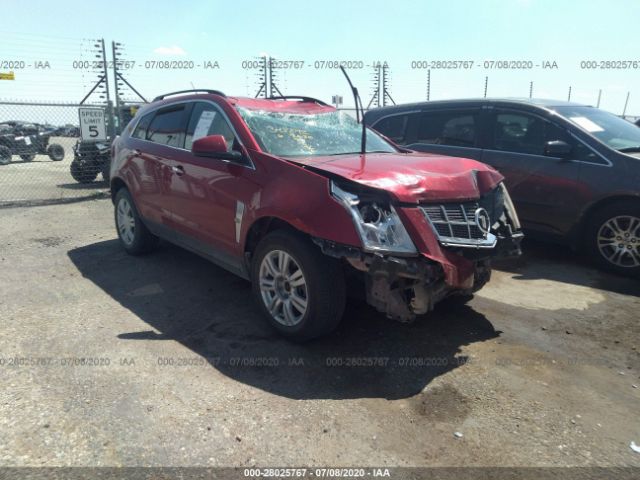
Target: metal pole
x,y
428,85
486,84
530,89
270,67
599,97
115,85
626,102
384,86
569,96
106,87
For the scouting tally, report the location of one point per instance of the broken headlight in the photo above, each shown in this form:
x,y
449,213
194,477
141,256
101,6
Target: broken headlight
x,y
377,223
510,208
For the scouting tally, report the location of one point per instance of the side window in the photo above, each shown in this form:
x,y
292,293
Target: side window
x,y
394,127
455,127
167,127
207,120
519,132
141,129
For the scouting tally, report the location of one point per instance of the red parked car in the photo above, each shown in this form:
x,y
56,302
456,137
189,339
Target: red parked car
x,y
278,191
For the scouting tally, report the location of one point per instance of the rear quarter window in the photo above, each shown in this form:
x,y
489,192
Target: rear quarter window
x,y
168,127
393,127
141,128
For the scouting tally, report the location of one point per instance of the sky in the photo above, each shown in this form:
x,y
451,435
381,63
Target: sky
x,y
402,32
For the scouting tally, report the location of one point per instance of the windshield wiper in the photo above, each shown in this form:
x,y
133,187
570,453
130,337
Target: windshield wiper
x,y
356,153
630,149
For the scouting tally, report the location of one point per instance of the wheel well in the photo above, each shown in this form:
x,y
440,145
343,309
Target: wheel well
x,y
605,202
116,184
262,227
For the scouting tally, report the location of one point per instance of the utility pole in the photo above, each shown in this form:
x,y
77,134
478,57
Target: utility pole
x,y
486,85
115,84
273,76
531,89
102,72
569,96
599,97
267,78
380,86
377,80
263,78
120,82
386,80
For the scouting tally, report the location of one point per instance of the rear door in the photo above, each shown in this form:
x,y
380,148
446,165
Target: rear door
x,y
148,153
164,138
545,189
452,131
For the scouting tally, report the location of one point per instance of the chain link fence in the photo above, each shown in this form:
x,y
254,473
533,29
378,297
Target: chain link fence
x,y
38,159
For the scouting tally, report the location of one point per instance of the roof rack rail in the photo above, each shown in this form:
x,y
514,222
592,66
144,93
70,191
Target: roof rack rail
x,y
299,97
216,92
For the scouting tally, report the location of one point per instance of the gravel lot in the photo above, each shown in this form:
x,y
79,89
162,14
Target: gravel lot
x,y
43,180
542,368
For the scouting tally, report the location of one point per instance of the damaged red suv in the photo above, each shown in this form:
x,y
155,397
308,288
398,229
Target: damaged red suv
x,y
279,192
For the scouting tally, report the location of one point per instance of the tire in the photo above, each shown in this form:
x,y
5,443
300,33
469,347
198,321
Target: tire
x,y
323,286
613,238
137,240
5,155
106,171
82,173
55,152
28,157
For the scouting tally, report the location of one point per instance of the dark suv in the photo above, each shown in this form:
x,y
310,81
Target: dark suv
x,y
280,192
573,170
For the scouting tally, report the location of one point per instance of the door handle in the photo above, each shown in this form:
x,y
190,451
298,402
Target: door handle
x,y
178,169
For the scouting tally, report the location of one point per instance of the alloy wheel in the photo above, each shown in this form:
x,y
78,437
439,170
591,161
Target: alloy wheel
x,y
283,287
619,241
126,221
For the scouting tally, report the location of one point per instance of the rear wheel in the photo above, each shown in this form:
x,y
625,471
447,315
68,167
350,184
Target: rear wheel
x,y
82,173
300,291
134,236
613,237
5,155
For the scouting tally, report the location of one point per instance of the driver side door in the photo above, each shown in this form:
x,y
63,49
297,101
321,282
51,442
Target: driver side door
x,y
209,195
546,189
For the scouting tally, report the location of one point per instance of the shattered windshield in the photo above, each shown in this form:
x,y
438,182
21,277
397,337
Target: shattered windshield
x,y
292,134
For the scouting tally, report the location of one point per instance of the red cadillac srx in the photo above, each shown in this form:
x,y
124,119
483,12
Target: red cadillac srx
x,y
280,192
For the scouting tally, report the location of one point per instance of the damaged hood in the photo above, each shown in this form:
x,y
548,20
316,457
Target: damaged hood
x,y
412,177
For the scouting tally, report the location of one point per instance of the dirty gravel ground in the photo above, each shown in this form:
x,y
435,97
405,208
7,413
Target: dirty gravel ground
x,y
537,370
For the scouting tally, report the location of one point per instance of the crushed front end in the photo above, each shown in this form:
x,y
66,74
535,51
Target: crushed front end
x,y
415,255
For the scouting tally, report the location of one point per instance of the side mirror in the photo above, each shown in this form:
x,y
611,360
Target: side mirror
x,y
557,148
214,146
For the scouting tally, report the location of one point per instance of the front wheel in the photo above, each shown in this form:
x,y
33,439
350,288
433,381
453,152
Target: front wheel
x,y
613,238
300,291
55,152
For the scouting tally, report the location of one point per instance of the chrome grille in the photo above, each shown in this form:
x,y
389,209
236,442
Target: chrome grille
x,y
455,224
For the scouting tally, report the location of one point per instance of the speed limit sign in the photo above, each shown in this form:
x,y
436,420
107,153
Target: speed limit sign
x,y
92,124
